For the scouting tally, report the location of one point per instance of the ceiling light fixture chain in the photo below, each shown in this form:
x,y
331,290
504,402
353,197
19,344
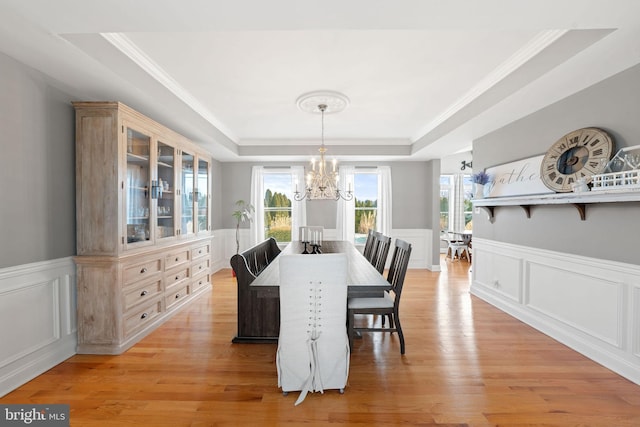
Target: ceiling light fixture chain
x,y
321,183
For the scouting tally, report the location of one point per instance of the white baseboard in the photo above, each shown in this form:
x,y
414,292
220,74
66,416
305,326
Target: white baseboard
x,y
37,319
590,305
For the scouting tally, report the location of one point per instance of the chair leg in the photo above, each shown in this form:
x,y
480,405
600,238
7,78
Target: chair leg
x,y
399,329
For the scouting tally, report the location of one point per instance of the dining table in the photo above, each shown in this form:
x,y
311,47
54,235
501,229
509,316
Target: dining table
x,y
363,280
362,277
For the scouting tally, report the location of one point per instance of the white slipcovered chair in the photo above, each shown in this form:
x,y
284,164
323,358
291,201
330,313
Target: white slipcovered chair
x,y
313,346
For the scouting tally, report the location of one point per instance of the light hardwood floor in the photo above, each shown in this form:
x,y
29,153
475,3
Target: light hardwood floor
x,y
466,363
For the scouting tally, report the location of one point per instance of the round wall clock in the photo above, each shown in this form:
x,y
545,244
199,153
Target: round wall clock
x,y
579,154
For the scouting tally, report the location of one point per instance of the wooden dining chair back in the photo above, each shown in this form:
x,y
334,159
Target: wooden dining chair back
x,y
368,245
381,252
313,346
389,303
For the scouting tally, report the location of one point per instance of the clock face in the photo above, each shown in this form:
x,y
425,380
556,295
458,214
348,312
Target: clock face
x,y
579,154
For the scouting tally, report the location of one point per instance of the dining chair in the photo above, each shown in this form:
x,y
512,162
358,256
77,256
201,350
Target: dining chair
x,y
389,303
368,245
313,345
380,252
456,247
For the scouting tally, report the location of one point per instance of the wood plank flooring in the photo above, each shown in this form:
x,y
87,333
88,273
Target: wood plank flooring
x,y
466,364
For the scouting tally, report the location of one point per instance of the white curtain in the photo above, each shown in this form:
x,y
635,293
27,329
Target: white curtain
x,y
298,209
345,220
457,222
385,202
257,200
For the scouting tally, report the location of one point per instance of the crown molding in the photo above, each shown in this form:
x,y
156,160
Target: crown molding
x,y
133,52
540,42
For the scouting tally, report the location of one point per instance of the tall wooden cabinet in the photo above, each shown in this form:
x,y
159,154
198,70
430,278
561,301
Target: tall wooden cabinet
x,y
143,206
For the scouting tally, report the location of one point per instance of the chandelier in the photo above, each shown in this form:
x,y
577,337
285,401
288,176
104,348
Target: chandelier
x,y
321,183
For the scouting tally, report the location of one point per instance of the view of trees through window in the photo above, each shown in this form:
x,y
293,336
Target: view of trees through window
x,y
277,206
366,204
447,202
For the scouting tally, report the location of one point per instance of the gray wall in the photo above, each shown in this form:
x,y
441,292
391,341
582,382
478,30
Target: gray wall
x,y
216,195
412,194
37,167
610,230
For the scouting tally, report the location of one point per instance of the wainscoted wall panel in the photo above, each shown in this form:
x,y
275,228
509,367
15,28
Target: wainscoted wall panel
x,y
41,320
499,271
421,247
550,290
635,331
37,319
591,305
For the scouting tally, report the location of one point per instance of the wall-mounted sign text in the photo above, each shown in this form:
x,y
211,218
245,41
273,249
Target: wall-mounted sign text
x,y
518,178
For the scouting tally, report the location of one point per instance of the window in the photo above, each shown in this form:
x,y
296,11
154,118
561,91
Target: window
x,y
371,204
446,187
365,193
277,206
456,210
277,215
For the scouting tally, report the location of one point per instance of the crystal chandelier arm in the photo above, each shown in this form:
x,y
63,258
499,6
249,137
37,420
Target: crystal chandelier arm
x,y
322,184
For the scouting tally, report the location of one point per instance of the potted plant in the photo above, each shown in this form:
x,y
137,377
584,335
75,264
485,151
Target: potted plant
x,y
242,214
479,180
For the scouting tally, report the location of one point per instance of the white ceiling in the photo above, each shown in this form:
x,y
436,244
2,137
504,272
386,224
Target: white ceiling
x,y
424,77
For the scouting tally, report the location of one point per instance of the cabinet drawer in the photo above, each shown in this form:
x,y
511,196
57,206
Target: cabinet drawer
x,y
200,267
176,296
200,251
138,318
200,282
135,273
143,293
175,277
176,258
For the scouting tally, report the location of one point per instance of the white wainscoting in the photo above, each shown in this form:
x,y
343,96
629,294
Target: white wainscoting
x,y
37,319
591,305
224,246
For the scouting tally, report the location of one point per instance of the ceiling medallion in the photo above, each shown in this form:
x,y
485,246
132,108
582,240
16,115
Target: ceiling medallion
x,y
334,102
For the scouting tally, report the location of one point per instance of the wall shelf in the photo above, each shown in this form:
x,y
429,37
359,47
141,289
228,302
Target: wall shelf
x,y
578,200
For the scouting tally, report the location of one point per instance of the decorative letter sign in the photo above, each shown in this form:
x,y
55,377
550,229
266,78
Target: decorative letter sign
x,y
517,178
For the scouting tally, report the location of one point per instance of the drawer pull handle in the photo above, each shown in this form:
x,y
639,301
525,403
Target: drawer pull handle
x,y
200,282
177,277
177,296
199,267
200,251
143,293
144,270
144,316
177,259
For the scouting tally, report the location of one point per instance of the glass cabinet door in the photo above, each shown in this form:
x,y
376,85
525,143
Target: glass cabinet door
x,y
203,195
165,191
137,191
187,178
